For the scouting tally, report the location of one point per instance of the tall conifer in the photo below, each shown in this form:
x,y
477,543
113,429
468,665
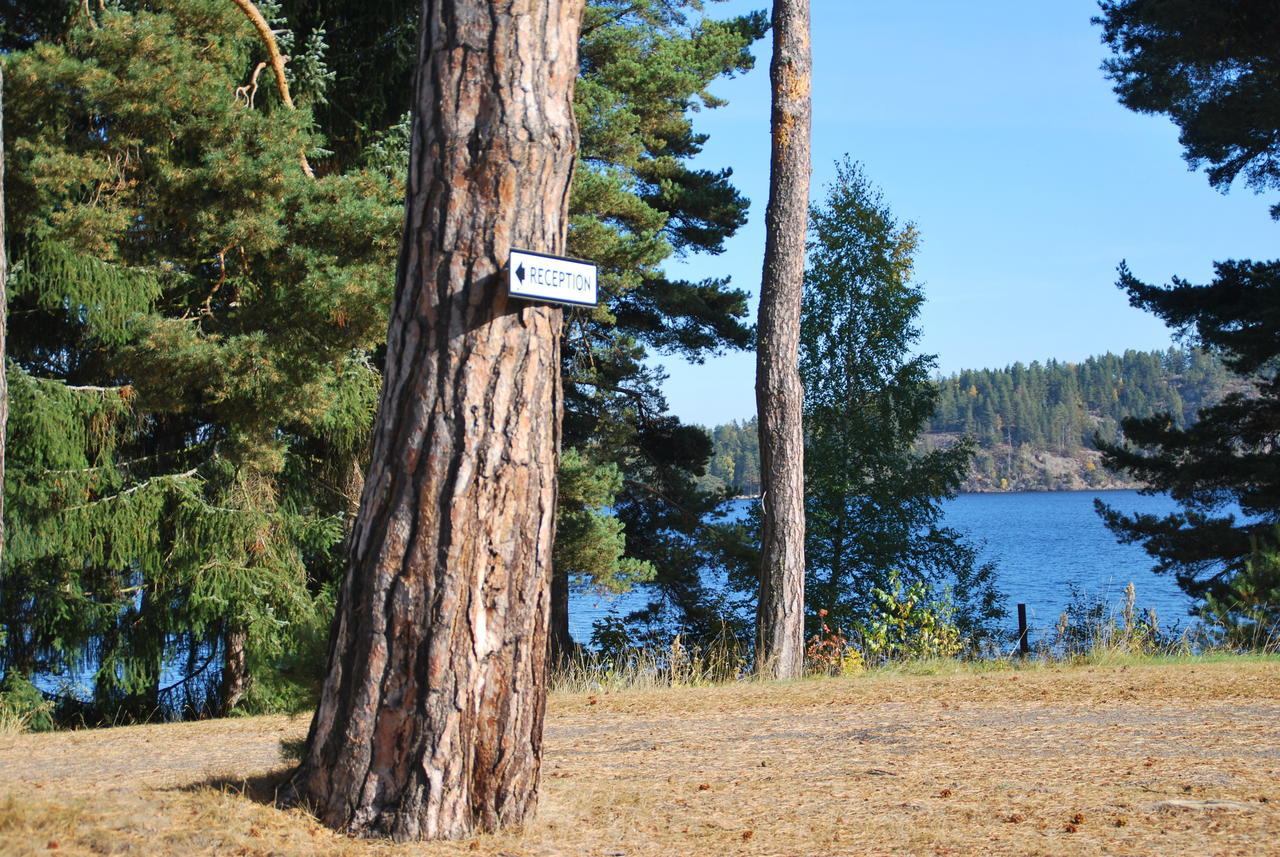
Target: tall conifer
x,y
192,316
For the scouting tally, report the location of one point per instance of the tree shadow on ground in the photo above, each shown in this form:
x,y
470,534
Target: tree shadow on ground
x,y
264,789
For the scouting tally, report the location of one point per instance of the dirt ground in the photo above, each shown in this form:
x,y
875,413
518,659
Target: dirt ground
x,y
1123,760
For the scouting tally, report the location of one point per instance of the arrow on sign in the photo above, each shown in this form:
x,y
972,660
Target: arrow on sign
x,y
554,279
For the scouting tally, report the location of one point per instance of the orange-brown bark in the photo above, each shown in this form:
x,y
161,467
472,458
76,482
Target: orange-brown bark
x,y
430,719
779,396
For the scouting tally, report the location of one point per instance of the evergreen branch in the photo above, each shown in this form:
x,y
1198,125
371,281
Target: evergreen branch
x,y
138,487
250,90
638,395
115,465
119,389
92,388
213,653
698,522
222,279
277,60
612,19
83,8
586,339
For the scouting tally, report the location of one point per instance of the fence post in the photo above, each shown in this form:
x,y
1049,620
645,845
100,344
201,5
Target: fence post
x,y
1024,645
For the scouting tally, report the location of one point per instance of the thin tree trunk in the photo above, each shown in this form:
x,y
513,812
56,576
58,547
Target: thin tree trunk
x,y
430,719
235,667
779,396
559,637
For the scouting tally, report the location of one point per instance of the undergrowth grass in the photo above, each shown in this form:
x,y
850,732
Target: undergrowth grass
x,y
1088,632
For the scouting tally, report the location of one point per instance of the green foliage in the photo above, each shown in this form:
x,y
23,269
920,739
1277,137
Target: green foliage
x,y
1246,611
1210,67
908,623
874,502
23,708
735,461
590,544
1033,426
645,69
192,319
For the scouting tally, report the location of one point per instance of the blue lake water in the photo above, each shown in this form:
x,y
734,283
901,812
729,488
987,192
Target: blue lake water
x,y
1042,543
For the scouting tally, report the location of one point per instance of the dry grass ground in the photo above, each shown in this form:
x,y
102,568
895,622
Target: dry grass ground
x,y
1179,759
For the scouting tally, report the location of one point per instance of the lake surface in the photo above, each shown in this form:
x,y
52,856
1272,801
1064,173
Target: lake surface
x,y
1042,543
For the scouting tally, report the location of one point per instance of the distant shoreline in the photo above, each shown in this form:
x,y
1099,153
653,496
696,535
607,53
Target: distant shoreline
x,y
1109,489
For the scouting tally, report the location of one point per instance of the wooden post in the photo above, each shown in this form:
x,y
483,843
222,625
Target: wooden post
x,y
1024,645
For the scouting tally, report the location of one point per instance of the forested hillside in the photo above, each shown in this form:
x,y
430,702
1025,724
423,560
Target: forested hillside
x,y
1034,425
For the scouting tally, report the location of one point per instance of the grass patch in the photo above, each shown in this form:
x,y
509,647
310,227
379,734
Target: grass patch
x,y
1155,755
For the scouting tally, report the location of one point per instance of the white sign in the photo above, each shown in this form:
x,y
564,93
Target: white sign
x,y
551,278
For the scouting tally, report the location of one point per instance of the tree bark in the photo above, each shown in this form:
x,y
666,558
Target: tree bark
x,y
560,639
779,396
430,719
235,668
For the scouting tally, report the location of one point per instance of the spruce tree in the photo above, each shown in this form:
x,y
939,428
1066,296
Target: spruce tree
x,y
192,316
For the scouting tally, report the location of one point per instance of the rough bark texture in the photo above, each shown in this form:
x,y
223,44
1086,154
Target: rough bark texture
x,y
235,668
779,397
430,719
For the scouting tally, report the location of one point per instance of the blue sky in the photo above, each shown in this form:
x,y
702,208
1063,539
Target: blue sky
x,y
990,125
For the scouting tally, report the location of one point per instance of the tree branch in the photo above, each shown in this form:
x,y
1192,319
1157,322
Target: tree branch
x,y
277,61
138,487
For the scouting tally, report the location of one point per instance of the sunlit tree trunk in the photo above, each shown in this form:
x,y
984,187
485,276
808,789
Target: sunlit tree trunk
x,y
235,667
779,397
430,719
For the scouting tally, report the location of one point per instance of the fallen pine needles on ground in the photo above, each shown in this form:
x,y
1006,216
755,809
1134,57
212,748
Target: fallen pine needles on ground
x,y
1133,758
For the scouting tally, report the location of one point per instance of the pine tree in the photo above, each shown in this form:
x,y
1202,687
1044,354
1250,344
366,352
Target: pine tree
x,y
779,396
644,69
1211,69
192,316
1227,456
436,684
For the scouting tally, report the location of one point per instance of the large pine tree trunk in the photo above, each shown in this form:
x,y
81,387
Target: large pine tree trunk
x,y
430,720
779,397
